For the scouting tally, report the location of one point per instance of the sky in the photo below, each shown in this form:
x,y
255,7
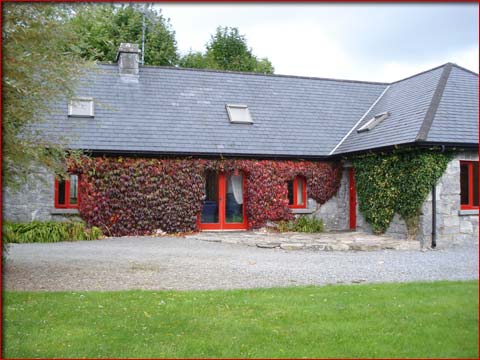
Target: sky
x,y
373,42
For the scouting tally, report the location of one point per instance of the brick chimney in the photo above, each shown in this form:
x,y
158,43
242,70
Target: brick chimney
x,y
127,59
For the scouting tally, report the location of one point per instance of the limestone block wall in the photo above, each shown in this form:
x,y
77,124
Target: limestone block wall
x,y
34,200
454,226
335,212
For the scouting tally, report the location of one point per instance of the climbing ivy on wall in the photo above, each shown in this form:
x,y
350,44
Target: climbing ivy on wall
x,y
133,196
398,182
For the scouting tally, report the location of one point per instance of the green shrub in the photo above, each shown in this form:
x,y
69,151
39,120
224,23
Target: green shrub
x,y
48,231
302,224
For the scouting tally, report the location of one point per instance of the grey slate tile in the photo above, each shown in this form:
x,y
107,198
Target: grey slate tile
x,y
178,110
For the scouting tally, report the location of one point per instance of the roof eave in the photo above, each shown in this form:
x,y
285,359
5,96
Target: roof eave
x,y
416,144
143,153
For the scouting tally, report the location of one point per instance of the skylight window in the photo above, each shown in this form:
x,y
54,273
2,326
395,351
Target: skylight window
x,y
370,124
239,114
81,107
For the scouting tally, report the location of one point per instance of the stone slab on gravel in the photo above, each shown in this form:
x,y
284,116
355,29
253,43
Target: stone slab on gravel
x,y
328,241
292,246
165,263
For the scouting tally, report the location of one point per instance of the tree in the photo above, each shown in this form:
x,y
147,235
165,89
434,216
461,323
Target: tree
x,y
40,65
101,29
197,60
227,50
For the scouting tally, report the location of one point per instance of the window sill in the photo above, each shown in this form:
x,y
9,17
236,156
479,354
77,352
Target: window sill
x,y
303,211
64,212
468,212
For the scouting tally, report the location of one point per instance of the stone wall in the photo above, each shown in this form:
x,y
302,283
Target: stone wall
x,y
454,226
34,200
335,212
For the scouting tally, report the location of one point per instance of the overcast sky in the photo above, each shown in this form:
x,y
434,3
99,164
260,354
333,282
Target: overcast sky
x,y
364,42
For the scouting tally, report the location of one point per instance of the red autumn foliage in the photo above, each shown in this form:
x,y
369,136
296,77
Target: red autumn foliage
x,y
132,196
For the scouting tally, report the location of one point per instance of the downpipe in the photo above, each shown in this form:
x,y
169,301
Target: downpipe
x,y
434,212
434,217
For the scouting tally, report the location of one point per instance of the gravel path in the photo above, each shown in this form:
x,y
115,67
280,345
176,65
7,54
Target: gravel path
x,y
184,264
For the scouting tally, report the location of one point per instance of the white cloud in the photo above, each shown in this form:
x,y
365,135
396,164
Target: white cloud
x,y
392,71
299,49
370,42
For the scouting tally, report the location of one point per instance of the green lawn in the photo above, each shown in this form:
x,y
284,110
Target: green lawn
x,y
389,320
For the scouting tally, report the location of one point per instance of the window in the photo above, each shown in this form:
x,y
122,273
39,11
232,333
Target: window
x,y
67,193
469,184
239,114
81,107
297,192
370,124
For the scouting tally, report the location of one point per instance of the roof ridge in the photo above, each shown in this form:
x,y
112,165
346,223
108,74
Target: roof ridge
x,y
436,98
360,120
464,69
251,73
421,73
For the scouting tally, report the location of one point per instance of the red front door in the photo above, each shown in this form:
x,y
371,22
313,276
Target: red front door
x,y
224,204
353,200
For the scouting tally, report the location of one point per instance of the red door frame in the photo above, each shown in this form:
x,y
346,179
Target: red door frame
x,y
222,224
353,199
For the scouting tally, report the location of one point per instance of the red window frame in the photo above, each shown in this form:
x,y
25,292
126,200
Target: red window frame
x,y
469,205
67,204
295,204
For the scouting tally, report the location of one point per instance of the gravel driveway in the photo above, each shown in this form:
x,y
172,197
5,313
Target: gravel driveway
x,y
184,264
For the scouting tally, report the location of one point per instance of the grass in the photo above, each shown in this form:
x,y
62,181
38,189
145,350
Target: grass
x,y
437,319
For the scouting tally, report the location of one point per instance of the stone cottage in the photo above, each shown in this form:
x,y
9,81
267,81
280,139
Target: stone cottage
x,y
127,110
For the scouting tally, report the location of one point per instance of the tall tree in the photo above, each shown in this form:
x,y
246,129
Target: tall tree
x,y
101,28
40,65
227,49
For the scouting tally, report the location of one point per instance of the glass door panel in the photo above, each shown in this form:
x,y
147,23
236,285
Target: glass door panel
x,y
211,204
234,199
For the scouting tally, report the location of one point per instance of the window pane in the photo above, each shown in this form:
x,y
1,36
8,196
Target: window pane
x,y
239,114
61,192
475,183
234,200
290,192
300,200
73,189
81,107
210,205
464,188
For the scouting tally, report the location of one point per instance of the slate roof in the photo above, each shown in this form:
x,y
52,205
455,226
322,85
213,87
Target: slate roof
x,y
182,111
436,106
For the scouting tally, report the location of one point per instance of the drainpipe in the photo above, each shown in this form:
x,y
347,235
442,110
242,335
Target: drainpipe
x,y
434,212
434,217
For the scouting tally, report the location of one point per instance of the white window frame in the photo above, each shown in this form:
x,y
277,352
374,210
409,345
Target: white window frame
x,y
238,106
78,99
370,124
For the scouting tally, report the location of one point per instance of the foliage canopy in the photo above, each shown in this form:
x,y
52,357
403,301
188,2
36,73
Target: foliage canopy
x,y
101,29
40,65
227,49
